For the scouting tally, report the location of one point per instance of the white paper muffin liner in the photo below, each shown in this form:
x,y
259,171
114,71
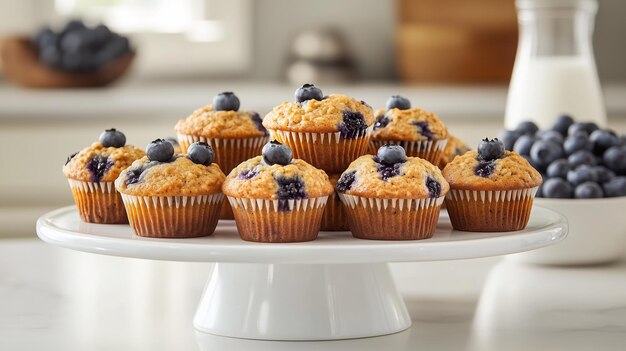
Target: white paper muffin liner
x,y
218,143
490,210
98,202
328,138
261,220
173,216
392,219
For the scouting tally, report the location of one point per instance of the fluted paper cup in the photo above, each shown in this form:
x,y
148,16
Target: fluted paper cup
x,y
327,151
98,202
173,216
278,221
392,219
490,211
430,150
229,153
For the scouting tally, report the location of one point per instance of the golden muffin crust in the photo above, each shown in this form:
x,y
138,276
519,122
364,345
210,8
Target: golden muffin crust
x,y
454,147
315,116
221,124
256,180
409,125
512,171
181,177
410,183
111,161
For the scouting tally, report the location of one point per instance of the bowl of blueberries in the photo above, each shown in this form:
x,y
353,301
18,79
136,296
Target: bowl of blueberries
x,y
72,56
584,178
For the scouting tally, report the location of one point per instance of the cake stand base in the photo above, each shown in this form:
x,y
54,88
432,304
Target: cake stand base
x,y
301,302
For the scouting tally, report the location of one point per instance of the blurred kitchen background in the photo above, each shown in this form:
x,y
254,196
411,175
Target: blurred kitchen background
x,y
453,57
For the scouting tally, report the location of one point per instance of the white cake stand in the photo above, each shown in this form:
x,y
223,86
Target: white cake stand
x,y
335,287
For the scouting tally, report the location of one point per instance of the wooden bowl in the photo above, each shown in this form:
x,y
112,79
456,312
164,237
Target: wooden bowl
x,y
21,65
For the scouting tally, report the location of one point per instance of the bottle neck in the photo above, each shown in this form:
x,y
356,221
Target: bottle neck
x,y
556,27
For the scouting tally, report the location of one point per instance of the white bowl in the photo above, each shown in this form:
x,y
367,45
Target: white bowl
x,y
597,232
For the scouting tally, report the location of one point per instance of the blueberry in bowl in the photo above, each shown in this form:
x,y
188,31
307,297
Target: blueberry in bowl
x,y
73,56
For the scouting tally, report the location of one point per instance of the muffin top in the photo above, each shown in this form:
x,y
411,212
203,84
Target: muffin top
x,y
163,173
328,114
408,125
209,123
256,179
104,160
222,119
392,175
454,147
178,177
491,168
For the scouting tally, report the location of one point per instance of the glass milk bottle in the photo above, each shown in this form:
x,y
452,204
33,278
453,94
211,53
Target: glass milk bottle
x,y
555,72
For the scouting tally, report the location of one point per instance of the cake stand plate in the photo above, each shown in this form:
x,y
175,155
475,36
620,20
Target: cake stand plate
x,y
336,287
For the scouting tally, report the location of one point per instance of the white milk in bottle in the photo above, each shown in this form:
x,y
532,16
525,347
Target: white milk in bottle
x,y
555,71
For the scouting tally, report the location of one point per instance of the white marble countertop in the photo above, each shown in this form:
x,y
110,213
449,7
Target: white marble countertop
x,y
57,299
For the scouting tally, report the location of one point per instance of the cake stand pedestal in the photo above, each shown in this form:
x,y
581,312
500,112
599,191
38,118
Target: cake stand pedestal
x,y
335,287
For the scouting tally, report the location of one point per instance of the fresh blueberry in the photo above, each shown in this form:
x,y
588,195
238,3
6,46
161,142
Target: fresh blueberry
x,y
353,124
603,139
582,174
226,101
562,124
544,152
51,56
588,190
557,188
71,61
45,37
112,138
73,25
102,34
289,188
98,166
160,150
433,186
551,135
577,142
527,127
581,157
424,129
558,169
276,153
622,140
258,122
399,102
509,137
523,144
490,149
615,159
587,127
77,41
381,122
112,49
308,92
485,168
615,187
70,157
248,174
391,154
346,181
201,153
604,174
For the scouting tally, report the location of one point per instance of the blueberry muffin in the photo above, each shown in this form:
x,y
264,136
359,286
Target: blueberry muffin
x,y
91,173
391,196
334,218
491,190
328,132
420,133
276,198
234,135
454,147
170,195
